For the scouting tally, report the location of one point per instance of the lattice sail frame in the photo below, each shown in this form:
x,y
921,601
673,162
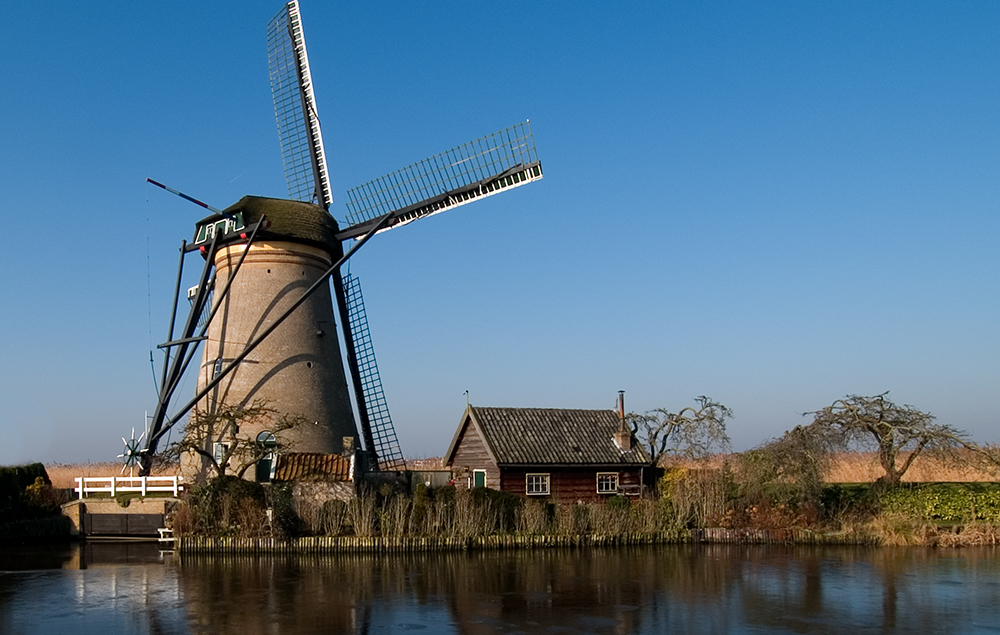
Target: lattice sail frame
x,y
299,129
473,170
387,450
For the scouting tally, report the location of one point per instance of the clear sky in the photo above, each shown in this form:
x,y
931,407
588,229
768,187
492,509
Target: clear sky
x,y
773,204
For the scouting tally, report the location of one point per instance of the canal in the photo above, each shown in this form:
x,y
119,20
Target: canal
x,y
109,588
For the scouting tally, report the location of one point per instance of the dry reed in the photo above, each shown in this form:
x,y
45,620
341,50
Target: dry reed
x,y
361,513
63,475
863,467
532,518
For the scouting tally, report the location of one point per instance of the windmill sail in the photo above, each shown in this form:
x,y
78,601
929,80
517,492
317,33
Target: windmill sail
x,y
305,162
386,447
295,109
479,168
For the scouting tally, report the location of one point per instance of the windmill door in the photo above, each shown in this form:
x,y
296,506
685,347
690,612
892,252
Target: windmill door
x,y
264,470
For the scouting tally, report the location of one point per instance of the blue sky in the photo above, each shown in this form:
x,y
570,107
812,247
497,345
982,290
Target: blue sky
x,y
774,204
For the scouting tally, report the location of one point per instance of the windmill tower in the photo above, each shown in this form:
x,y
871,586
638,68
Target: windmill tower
x,y
263,306
298,368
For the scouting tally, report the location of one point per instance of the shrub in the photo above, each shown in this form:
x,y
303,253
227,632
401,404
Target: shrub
x,y
504,505
332,517
394,516
697,497
225,506
40,498
618,502
945,502
361,514
285,522
535,517
15,500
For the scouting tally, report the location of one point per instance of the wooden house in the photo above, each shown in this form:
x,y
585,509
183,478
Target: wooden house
x,y
563,455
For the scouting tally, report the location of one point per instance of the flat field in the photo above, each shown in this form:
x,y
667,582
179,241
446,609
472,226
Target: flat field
x,y
849,467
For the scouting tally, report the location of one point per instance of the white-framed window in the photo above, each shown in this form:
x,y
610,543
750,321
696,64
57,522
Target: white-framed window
x,y
219,452
479,478
536,484
607,482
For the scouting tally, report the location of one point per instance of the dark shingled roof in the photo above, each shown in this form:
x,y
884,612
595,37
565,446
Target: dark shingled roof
x,y
521,436
290,220
311,466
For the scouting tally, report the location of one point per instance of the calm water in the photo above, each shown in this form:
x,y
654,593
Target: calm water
x,y
110,589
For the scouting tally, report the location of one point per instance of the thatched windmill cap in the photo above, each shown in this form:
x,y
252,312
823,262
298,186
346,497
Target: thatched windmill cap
x,y
293,221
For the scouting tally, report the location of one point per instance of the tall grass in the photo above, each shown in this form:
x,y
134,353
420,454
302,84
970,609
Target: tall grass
x,y
460,513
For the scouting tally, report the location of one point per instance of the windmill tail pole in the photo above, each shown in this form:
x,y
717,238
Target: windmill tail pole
x,y
189,198
154,438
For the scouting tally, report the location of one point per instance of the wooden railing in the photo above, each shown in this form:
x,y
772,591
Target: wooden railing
x,y
114,484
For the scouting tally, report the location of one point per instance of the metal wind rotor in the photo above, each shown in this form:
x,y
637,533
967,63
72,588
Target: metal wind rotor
x,y
132,453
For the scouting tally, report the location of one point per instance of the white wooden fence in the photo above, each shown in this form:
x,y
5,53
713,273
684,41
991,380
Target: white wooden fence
x,y
114,484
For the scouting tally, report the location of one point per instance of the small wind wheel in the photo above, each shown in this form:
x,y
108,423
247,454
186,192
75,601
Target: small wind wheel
x,y
130,457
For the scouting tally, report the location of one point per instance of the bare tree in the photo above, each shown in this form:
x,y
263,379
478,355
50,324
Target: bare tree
x,y
897,433
691,432
216,436
799,458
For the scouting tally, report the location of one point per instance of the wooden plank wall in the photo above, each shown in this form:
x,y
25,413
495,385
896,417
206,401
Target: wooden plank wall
x,y
471,453
568,484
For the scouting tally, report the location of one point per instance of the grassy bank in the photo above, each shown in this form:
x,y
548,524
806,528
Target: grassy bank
x,y
698,506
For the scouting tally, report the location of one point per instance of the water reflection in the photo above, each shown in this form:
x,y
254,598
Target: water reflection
x,y
650,590
91,588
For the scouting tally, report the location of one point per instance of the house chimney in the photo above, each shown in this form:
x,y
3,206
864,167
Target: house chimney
x,y
623,437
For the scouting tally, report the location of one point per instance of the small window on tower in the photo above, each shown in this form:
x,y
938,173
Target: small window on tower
x,y
219,452
218,368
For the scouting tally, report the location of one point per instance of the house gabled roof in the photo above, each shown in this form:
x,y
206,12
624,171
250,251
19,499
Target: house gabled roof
x,y
548,436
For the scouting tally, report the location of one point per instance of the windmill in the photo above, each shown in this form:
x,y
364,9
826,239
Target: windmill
x,y
263,305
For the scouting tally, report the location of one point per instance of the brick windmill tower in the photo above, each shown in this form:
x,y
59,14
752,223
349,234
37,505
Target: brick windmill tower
x,y
271,295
